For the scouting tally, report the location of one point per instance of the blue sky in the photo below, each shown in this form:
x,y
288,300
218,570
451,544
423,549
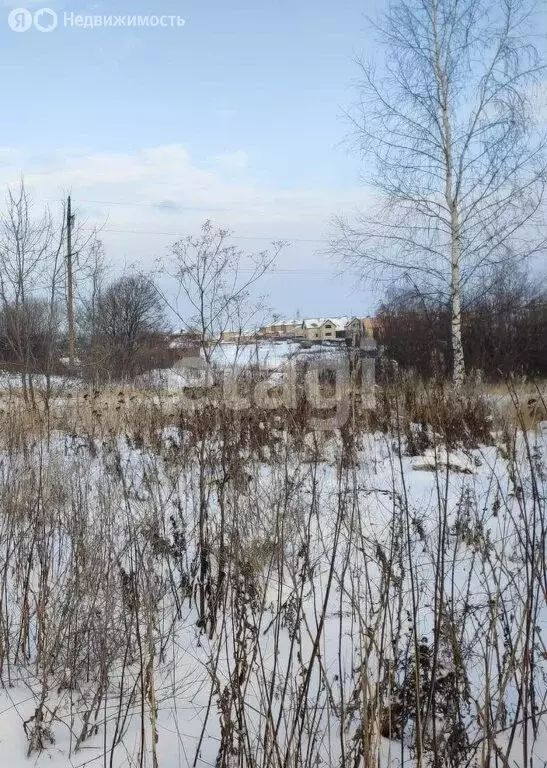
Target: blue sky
x,y
236,116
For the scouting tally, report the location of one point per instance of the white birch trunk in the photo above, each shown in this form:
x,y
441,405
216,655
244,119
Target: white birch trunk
x,y
458,370
456,304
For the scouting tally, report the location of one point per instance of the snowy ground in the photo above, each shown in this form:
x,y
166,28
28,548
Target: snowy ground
x,y
266,356
338,566
11,382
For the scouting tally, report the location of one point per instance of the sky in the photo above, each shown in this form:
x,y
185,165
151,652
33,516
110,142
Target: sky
x,y
237,116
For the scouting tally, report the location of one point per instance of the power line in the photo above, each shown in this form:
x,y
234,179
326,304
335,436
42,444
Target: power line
x,y
171,206
281,271
233,237
203,209
294,272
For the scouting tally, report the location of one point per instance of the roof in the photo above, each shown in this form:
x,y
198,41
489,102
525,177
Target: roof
x,y
314,322
339,323
277,323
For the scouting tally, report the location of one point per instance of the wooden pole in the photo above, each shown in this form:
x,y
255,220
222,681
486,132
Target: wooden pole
x,y
70,288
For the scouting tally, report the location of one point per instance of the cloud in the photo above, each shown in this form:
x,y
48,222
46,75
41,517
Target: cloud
x,y
229,161
168,205
145,199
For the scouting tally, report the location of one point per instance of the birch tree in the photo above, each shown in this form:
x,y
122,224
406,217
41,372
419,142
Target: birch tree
x,y
452,150
31,279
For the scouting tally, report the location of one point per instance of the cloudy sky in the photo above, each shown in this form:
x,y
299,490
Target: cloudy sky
x,y
237,116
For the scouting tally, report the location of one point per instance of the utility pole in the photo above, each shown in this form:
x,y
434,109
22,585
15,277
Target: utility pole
x,y
70,287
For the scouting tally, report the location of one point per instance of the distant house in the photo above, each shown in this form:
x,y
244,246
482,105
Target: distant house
x,y
231,336
237,337
282,329
325,328
318,329
312,328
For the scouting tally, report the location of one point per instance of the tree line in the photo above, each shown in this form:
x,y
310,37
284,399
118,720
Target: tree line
x,y
504,330
123,323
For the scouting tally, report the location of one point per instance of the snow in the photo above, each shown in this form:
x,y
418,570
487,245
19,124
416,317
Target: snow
x,y
264,355
439,459
125,486
184,375
190,372
12,382
339,323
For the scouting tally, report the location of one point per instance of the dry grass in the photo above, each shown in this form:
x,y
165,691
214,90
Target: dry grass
x,y
257,541
468,416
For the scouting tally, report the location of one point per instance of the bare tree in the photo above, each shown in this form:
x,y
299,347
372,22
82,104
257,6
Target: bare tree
x,y
29,332
92,281
446,127
128,312
31,279
214,279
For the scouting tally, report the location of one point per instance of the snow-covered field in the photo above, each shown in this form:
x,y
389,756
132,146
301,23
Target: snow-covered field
x,y
11,382
350,598
263,356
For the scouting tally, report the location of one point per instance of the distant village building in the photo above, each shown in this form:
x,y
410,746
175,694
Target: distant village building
x,y
230,336
282,329
237,337
316,329
326,328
